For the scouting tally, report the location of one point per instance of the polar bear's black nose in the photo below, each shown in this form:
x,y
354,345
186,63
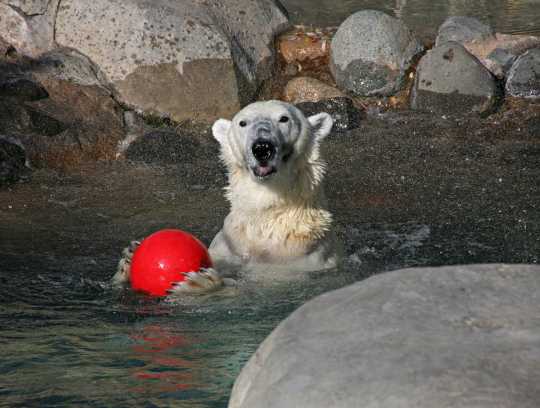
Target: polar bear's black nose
x,y
263,150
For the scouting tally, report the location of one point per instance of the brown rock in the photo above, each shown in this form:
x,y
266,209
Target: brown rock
x,y
306,89
74,118
76,146
299,45
91,118
52,143
91,121
72,103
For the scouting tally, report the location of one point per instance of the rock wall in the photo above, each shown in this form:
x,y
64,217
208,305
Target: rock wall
x,y
179,59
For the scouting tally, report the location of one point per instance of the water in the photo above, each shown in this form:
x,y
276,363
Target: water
x,y
76,342
67,338
407,189
424,16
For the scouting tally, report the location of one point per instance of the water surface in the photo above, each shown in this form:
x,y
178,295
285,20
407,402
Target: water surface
x,y
424,16
407,189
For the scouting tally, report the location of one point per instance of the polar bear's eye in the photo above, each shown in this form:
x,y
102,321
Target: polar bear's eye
x,y
242,123
284,119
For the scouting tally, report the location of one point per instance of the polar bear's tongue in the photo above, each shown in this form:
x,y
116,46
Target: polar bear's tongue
x,y
264,170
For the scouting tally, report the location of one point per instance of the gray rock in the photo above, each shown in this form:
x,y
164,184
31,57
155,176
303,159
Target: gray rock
x,y
251,27
28,25
65,64
500,61
463,29
457,336
188,59
450,80
12,161
346,116
524,76
29,7
371,53
6,49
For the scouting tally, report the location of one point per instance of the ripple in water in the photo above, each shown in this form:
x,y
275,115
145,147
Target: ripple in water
x,y
424,16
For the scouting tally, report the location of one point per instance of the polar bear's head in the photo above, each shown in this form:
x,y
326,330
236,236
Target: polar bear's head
x,y
266,138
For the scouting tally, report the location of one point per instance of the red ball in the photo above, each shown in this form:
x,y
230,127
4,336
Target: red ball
x,y
163,257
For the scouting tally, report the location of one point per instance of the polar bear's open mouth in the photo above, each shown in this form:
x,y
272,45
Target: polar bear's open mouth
x,y
263,172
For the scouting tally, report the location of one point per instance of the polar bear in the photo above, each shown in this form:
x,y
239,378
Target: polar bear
x,y
278,217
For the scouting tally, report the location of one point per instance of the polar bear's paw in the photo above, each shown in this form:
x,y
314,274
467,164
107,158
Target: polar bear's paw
x,y
123,270
197,283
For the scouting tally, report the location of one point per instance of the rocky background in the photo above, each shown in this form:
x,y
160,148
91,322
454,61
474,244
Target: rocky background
x,y
78,77
80,81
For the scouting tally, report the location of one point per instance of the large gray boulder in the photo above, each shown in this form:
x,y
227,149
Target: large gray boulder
x,y
524,76
463,29
28,25
460,336
451,80
371,52
182,59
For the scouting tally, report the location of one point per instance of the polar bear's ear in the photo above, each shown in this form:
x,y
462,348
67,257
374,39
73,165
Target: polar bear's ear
x,y
220,128
321,124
